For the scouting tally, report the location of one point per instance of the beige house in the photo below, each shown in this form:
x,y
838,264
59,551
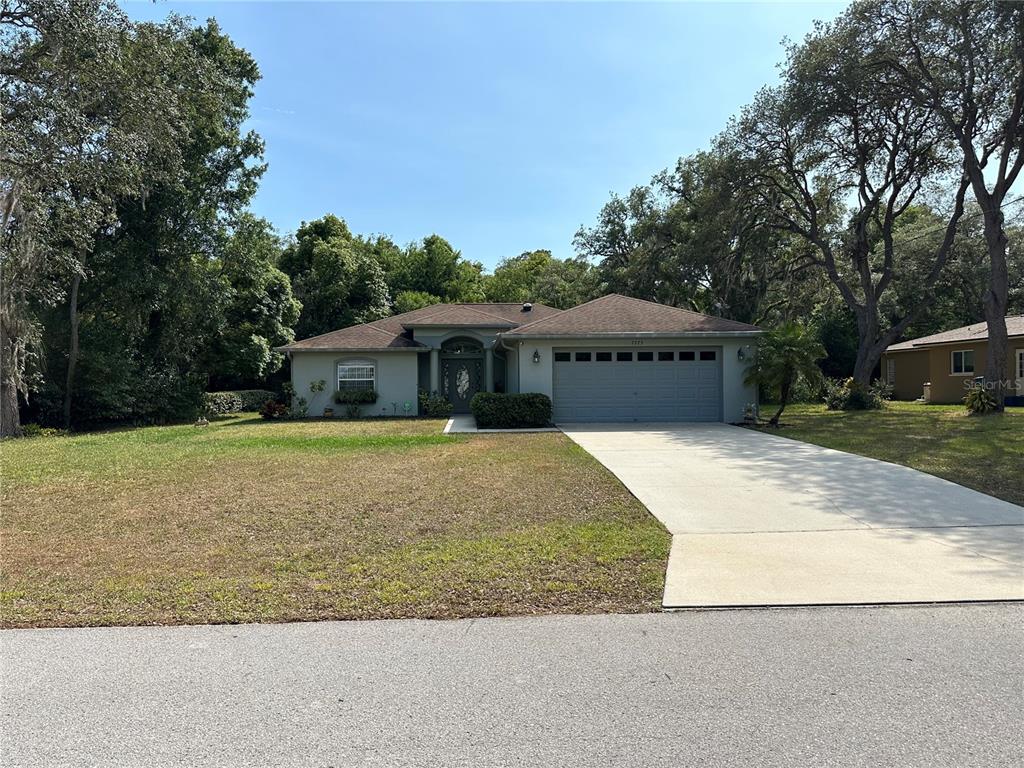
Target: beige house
x,y
939,368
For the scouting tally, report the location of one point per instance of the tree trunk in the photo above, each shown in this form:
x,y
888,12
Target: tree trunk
x,y
10,419
73,316
783,401
995,302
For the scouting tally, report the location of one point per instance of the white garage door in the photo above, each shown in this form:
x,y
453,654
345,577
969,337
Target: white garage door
x,y
669,384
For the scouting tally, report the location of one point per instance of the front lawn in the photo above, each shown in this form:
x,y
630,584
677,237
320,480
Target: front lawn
x,y
247,520
985,453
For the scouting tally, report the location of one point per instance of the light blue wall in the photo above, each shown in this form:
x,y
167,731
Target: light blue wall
x,y
396,374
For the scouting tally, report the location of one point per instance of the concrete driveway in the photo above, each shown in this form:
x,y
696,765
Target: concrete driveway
x,y
763,520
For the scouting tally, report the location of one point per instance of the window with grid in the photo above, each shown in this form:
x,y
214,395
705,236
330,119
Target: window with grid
x,y
356,374
963,362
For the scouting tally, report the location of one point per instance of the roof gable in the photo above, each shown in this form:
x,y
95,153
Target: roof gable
x,y
615,314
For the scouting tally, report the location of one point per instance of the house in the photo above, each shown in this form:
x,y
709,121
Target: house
x,y
611,359
939,368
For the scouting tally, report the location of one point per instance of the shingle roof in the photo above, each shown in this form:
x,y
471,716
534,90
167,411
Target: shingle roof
x,y
975,332
388,333
613,315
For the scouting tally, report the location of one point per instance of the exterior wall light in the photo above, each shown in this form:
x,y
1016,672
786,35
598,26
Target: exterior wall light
x,y
536,355
740,354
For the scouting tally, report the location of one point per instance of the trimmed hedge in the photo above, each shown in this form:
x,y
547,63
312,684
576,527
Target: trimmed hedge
x,y
498,410
236,401
355,397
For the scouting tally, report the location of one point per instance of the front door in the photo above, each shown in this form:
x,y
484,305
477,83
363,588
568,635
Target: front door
x,y
461,378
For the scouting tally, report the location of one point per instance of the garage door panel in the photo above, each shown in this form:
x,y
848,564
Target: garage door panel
x,y
671,387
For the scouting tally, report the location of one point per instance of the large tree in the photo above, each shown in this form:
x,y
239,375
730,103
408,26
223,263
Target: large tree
x,y
837,159
963,61
334,277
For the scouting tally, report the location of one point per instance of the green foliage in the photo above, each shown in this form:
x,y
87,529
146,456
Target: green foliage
x,y
434,267
849,395
979,400
434,405
407,301
495,410
34,430
355,397
785,354
338,282
537,276
235,401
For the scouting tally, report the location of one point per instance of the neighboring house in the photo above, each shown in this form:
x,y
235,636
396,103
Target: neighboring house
x,y
939,368
611,359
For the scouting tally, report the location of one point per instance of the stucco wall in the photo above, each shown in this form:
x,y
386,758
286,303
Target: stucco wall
x,y
934,365
539,376
397,375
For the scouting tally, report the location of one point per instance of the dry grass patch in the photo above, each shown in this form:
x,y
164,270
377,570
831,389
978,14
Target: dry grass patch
x,y
255,521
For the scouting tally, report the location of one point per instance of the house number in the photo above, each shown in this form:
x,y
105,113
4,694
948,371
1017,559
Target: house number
x,y
638,342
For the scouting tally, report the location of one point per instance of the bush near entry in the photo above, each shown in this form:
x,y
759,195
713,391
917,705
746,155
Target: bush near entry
x,y
496,410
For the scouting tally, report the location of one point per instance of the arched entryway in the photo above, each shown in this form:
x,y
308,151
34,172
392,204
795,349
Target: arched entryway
x,y
462,371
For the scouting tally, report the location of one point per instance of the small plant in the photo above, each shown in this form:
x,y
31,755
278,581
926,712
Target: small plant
x,y
317,386
434,405
979,401
34,430
848,395
352,410
300,408
355,396
274,410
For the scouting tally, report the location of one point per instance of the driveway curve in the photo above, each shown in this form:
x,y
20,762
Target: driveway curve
x,y
763,520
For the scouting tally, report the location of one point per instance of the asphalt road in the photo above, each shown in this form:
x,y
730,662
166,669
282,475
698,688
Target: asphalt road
x,y
898,686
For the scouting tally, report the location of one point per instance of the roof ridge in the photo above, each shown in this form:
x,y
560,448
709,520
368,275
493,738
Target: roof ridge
x,y
442,307
561,312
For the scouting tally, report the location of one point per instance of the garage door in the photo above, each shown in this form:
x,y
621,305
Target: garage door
x,y
669,384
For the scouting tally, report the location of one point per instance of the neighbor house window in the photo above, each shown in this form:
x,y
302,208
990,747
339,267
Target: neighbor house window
x,y
890,371
357,374
963,362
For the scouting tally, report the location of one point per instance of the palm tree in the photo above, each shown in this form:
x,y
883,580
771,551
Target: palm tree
x,y
785,354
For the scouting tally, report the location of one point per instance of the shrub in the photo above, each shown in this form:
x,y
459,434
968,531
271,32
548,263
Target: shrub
x,y
494,410
274,410
235,401
355,397
979,400
34,430
848,395
434,405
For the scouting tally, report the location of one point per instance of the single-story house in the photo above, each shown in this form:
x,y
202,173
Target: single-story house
x,y
939,368
611,359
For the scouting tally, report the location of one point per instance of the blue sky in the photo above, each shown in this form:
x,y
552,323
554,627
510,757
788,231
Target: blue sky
x,y
502,127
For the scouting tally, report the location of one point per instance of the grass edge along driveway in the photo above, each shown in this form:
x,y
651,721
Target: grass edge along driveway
x,y
253,521
984,453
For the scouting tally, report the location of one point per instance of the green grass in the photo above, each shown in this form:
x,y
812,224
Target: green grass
x,y
985,453
247,520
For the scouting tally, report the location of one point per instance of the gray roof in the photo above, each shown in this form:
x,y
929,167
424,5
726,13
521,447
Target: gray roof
x,y
616,315
975,332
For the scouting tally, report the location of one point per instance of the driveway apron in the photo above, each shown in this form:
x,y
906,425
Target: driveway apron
x,y
763,520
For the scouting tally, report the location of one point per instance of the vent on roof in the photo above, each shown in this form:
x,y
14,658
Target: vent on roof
x,y
527,306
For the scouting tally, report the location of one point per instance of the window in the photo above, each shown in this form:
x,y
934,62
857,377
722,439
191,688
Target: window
x,y
603,357
963,362
666,355
707,355
562,357
687,356
645,357
1020,370
890,371
356,374
582,357
624,357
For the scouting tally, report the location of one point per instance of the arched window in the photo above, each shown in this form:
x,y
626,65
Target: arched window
x,y
357,374
462,347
